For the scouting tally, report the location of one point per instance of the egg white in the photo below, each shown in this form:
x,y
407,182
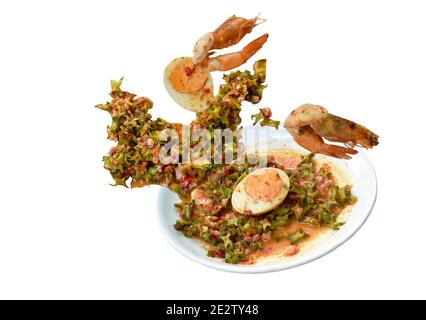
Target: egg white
x,y
196,102
243,203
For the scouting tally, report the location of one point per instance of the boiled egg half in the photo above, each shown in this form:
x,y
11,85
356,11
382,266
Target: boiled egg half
x,y
261,191
188,85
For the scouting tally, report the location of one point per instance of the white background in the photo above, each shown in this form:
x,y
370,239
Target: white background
x,y
66,233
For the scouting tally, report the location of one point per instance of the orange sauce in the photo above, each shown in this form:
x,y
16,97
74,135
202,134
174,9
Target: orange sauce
x,y
273,246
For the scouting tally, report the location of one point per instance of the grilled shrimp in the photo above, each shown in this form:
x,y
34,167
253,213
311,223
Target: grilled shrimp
x,y
188,80
227,34
309,124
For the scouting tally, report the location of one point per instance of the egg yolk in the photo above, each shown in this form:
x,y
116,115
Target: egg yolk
x,y
186,77
263,187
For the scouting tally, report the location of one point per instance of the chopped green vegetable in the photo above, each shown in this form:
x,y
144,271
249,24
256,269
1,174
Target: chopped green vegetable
x,y
263,116
259,68
116,86
152,170
297,236
239,86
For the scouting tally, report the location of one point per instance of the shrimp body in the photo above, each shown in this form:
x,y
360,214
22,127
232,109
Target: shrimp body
x,y
227,34
338,129
309,124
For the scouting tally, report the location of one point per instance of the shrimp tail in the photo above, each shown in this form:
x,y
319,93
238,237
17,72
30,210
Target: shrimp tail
x,y
338,129
310,140
254,46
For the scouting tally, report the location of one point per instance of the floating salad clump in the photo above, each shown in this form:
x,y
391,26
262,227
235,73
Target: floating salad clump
x,y
135,158
314,200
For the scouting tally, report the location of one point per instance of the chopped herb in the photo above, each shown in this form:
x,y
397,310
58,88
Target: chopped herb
x,y
297,236
263,118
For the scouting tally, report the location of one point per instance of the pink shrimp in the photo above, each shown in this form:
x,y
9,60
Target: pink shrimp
x,y
309,124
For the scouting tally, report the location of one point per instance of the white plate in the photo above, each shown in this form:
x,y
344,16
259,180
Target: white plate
x,y
361,174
